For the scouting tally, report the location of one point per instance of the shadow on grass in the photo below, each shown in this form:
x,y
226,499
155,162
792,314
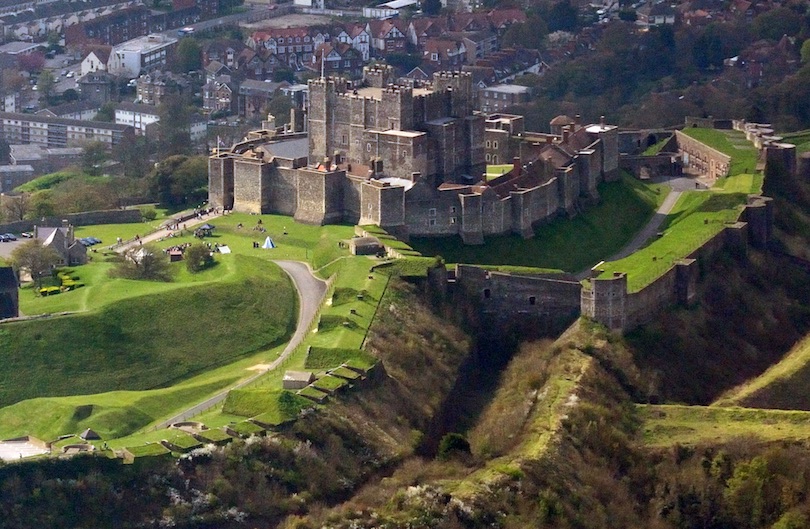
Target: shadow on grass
x,y
721,202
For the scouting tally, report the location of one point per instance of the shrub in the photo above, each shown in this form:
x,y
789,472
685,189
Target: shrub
x,y
198,257
451,444
148,214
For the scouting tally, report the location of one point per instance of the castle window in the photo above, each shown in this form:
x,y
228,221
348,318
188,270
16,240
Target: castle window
x,y
452,209
494,158
494,144
532,300
487,293
368,147
431,222
489,144
432,212
487,157
344,140
452,220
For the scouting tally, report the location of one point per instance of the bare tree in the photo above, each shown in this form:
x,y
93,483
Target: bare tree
x,y
34,258
15,207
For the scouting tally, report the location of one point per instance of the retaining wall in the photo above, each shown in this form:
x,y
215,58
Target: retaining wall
x,y
87,218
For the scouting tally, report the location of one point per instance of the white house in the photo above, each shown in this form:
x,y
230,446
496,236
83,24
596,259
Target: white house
x,y
95,61
144,53
136,116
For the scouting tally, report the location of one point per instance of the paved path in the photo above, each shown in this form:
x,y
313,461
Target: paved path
x,y
311,291
647,232
165,232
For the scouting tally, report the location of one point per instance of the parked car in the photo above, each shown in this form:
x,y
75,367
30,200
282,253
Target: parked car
x,y
3,238
10,236
70,74
27,235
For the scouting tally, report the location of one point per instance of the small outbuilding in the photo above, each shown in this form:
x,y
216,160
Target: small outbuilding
x,y
297,379
365,246
89,435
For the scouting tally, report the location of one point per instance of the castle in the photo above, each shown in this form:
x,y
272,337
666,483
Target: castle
x,y
411,159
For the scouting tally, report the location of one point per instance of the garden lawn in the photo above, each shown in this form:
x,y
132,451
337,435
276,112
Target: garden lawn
x,y
565,244
148,342
666,425
494,171
276,406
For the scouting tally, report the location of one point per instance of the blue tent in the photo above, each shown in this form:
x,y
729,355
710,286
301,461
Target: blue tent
x,y
268,243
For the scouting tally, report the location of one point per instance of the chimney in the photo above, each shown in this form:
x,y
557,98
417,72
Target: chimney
x,y
602,120
566,130
65,223
577,122
415,176
516,166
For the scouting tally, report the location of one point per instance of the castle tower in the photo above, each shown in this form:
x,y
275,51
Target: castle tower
x,y
397,105
323,94
459,85
378,76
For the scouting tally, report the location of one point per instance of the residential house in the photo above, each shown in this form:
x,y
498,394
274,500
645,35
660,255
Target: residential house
x,y
165,20
423,28
219,95
216,69
152,87
338,58
501,19
222,51
658,14
478,21
112,29
499,97
82,110
12,176
96,60
387,36
71,252
444,54
292,47
97,87
254,96
478,44
390,9
357,36
136,116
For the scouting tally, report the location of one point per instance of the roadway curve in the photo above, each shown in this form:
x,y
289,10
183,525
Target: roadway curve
x,y
311,291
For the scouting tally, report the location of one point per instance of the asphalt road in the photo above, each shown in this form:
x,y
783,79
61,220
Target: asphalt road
x,y
311,291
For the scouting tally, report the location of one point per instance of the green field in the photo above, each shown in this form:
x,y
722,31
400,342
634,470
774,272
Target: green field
x,y
564,244
666,425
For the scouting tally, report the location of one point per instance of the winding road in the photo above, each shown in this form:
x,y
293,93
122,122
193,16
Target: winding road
x,y
311,291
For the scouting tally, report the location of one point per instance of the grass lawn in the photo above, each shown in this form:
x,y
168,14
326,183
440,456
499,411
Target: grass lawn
x,y
665,425
697,217
565,244
148,342
277,405
731,142
652,150
494,171
800,139
329,357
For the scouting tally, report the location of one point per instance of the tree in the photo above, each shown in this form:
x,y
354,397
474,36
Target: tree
x,y
179,180
94,155
173,128
198,257
106,112
431,7
34,258
776,23
562,17
15,207
806,51
188,56
32,62
531,34
143,262
279,107
133,155
5,151
452,443
46,83
12,81
70,95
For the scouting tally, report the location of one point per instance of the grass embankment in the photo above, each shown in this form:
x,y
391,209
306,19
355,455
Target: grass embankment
x,y
654,149
800,139
563,244
152,341
666,425
782,386
698,215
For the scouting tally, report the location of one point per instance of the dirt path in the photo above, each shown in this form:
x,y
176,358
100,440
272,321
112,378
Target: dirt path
x,y
165,232
311,291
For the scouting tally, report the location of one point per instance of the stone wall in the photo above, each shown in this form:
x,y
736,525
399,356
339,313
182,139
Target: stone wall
x,y
702,157
319,196
643,167
542,301
87,218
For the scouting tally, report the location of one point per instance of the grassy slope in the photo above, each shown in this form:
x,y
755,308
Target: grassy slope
x,y
782,386
801,139
566,244
666,425
149,341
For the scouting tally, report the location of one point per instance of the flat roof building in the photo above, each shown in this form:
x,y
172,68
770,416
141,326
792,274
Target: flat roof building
x,y
144,53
